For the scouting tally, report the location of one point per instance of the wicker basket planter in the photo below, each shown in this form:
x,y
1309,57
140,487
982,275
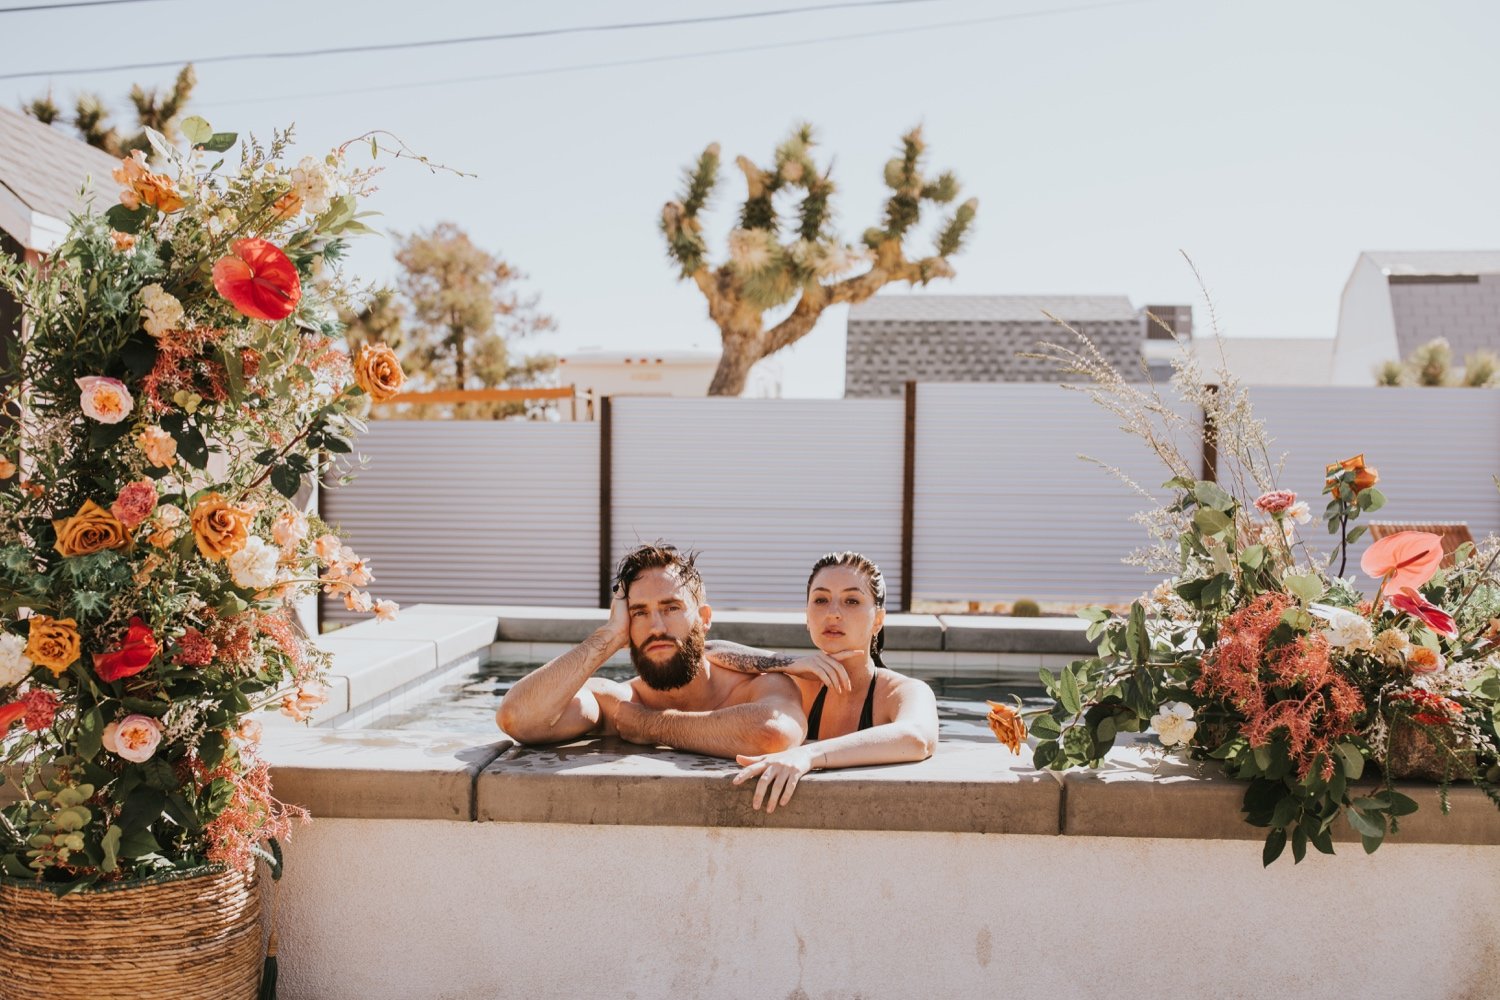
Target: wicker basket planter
x,y
189,936
1415,755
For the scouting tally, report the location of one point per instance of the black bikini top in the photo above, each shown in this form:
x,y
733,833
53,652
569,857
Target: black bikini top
x,y
866,714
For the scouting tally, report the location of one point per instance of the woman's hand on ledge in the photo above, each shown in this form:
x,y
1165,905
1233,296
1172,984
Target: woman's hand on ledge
x,y
777,774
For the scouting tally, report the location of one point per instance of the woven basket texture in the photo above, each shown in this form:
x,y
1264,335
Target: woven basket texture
x,y
191,936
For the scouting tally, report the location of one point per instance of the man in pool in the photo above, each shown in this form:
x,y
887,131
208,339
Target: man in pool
x,y
678,699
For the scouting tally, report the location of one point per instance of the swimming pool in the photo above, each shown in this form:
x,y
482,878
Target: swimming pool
x,y
466,702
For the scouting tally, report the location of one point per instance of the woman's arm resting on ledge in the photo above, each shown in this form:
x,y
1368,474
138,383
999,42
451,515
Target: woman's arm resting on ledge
x,y
772,721
911,735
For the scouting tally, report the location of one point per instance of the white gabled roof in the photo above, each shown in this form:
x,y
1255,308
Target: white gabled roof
x,y
1436,262
42,171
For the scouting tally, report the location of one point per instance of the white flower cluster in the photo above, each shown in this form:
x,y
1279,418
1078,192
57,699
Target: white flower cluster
x,y
1174,723
254,566
314,184
1346,630
14,666
160,311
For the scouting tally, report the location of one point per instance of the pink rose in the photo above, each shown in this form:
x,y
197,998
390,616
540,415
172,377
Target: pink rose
x,y
135,503
1275,502
105,399
136,738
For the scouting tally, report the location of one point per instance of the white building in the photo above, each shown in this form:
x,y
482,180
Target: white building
x,y
1267,360
595,373
1396,301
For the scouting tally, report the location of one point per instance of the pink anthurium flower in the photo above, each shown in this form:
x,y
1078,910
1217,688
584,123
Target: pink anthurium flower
x,y
1403,560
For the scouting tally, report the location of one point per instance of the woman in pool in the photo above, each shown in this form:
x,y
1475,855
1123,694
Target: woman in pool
x,y
859,711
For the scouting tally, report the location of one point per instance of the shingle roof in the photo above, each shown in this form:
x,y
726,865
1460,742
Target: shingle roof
x,y
45,168
992,308
1436,262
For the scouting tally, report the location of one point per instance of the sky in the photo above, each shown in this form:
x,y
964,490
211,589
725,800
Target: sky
x,y
1270,142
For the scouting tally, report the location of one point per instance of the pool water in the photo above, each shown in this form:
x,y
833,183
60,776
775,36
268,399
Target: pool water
x,y
467,703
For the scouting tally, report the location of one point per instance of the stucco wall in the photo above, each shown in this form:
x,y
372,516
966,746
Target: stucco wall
x,y
413,909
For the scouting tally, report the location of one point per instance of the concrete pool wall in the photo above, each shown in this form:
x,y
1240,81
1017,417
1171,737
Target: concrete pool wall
x,y
441,868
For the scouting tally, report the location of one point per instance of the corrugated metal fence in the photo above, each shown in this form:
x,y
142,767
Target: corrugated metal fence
x,y
1002,507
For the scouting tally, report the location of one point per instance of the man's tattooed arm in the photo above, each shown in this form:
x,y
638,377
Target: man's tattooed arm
x,y
745,659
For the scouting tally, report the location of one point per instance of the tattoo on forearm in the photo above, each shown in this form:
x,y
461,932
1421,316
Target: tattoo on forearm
x,y
754,662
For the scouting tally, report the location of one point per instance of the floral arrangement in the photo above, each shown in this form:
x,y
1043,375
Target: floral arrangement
x,y
1261,654
177,382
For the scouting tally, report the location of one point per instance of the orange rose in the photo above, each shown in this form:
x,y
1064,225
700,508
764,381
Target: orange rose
x,y
122,241
92,529
1006,725
7,467
220,530
1364,476
287,205
378,372
52,642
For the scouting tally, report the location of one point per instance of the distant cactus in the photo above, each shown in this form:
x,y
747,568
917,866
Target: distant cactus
x,y
1025,608
811,265
1431,364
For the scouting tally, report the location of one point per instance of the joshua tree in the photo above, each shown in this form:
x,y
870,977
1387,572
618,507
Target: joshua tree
x,y
157,110
772,261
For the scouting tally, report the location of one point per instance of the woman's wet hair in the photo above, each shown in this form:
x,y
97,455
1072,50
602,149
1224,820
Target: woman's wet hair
x,y
871,573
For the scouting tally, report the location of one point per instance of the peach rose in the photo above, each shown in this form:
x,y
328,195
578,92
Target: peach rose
x,y
289,529
92,529
52,643
378,372
136,738
104,399
220,529
386,610
159,447
1007,725
122,241
165,525
7,467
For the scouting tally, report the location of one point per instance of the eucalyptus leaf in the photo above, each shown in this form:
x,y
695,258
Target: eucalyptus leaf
x,y
196,130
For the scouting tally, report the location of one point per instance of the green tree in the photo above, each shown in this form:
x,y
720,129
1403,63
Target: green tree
x,y
774,262
160,110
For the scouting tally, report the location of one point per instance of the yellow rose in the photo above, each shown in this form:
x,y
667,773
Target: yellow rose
x,y
52,642
220,529
378,372
92,529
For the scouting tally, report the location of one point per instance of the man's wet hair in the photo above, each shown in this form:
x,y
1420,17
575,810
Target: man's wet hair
x,y
660,555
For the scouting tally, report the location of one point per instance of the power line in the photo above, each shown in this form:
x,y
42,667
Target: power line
x,y
73,3
470,39
676,57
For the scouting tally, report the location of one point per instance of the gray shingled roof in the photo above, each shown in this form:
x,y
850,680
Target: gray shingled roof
x,y
1436,262
992,308
45,167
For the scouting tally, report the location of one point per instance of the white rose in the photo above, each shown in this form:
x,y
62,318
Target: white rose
x,y
160,311
14,666
1346,630
254,566
1174,723
1300,512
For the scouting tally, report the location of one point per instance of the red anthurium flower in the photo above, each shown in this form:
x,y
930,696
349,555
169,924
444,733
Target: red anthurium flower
x,y
138,650
258,280
10,713
1419,607
1405,559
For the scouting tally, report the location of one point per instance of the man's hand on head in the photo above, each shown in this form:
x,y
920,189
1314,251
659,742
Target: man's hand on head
x,y
616,630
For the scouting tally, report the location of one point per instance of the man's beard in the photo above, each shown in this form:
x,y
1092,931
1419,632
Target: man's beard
x,y
678,671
